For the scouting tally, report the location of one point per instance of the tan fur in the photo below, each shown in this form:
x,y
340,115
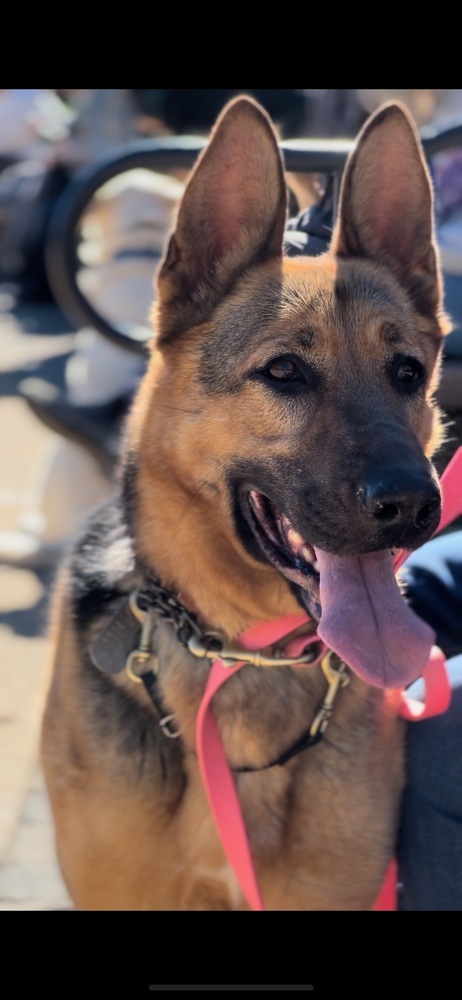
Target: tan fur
x,y
322,828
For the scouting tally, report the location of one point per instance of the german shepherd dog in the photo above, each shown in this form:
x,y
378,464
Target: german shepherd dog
x,y
277,452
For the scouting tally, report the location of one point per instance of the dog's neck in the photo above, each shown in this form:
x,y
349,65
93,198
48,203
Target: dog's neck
x,y
183,544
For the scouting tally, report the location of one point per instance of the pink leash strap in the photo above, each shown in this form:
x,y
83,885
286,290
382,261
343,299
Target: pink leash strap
x,y
437,691
216,774
451,488
221,790
388,895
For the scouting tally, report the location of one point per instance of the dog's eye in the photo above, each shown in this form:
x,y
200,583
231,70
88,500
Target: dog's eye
x,y
282,370
408,373
285,374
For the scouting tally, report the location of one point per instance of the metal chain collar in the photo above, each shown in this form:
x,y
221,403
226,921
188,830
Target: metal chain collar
x,y
142,664
154,595
209,644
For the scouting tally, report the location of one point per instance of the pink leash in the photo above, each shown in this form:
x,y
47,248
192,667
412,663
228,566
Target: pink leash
x,y
216,774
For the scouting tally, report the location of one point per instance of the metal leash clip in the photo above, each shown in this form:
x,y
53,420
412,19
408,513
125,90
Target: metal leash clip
x,y
337,674
213,646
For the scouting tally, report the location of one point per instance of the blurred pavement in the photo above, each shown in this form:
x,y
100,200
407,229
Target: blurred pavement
x,y
31,336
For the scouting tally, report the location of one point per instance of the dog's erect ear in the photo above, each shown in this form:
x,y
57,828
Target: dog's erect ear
x,y
386,205
232,214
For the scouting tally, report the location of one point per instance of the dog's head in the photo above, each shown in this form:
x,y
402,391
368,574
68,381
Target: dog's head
x,y
289,401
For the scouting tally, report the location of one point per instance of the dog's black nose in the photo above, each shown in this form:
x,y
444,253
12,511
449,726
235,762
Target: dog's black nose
x,y
401,502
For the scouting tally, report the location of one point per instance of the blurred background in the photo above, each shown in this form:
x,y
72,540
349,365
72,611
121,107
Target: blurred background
x,y
89,183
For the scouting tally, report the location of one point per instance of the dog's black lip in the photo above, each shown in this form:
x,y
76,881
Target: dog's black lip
x,y
279,553
282,558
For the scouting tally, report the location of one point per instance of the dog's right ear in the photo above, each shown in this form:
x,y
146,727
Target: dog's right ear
x,y
386,205
232,214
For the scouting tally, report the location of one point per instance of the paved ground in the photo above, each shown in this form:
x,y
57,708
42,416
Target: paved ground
x,y
31,338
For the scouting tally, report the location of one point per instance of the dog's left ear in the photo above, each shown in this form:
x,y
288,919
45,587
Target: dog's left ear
x,y
386,205
232,214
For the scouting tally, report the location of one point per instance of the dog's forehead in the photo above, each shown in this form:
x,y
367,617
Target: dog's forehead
x,y
311,300
335,294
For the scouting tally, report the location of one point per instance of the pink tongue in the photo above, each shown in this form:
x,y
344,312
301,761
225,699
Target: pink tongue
x,y
367,622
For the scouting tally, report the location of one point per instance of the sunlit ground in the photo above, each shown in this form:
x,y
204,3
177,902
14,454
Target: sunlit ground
x,y
29,877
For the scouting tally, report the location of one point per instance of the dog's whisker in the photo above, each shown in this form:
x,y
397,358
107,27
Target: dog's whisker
x,y
180,409
201,490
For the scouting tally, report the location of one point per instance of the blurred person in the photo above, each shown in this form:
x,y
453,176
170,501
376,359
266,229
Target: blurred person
x,y
333,113
422,103
30,120
74,127
32,125
104,120
49,139
430,833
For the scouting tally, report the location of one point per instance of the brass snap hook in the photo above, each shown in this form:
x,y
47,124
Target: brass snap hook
x,y
142,654
142,657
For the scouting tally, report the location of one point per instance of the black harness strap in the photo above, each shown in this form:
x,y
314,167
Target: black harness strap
x,y
304,743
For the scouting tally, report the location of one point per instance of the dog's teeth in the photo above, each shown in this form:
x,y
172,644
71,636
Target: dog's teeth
x,y
294,539
307,553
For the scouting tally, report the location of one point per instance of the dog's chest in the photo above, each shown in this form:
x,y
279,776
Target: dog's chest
x,y
321,828
316,842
